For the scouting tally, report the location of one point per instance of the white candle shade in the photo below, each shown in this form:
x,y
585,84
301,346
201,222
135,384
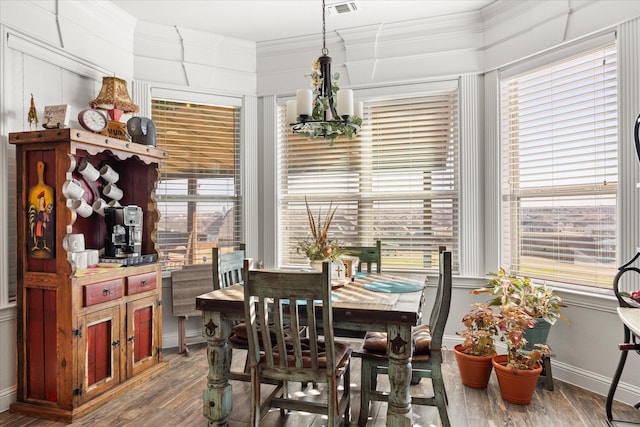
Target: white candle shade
x,y
292,116
303,102
359,109
345,102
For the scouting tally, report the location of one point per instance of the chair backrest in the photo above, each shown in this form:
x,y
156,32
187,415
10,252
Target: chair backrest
x,y
442,302
624,284
286,300
186,284
227,267
368,255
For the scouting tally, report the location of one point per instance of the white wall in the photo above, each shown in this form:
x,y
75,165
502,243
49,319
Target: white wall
x,y
64,65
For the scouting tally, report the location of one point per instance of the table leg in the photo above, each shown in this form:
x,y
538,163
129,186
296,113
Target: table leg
x,y
217,397
400,349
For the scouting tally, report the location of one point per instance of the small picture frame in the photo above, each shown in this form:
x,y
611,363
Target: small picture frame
x,y
56,116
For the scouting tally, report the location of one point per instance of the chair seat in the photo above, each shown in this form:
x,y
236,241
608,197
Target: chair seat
x,y
376,342
343,352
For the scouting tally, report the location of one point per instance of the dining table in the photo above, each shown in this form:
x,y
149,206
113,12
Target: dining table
x,y
388,301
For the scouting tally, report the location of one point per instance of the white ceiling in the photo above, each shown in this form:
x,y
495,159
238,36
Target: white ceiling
x,y
264,20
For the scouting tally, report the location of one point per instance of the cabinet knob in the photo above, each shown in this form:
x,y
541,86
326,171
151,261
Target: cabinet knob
x,y
106,291
143,283
131,339
115,343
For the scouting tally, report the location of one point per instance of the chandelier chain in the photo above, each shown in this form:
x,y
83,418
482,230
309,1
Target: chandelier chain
x,y
325,51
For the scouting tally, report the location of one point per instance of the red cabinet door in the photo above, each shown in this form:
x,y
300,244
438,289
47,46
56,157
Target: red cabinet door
x,y
99,352
142,346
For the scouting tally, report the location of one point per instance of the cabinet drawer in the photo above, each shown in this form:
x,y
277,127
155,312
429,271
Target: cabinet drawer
x,y
141,283
102,292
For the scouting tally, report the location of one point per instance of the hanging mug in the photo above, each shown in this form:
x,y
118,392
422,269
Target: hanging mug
x,y
88,171
98,206
82,208
112,192
72,189
108,174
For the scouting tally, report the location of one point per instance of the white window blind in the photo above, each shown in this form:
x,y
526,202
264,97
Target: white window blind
x,y
198,193
396,182
559,138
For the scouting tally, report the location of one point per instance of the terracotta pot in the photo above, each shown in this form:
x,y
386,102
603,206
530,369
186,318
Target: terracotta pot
x,y
516,385
475,371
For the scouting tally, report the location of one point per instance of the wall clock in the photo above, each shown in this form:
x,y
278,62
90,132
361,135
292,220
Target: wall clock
x,y
93,120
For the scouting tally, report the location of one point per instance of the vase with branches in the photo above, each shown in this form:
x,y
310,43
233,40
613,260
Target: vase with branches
x,y
320,247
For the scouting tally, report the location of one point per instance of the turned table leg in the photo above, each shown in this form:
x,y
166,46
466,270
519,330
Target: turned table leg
x,y
400,349
217,397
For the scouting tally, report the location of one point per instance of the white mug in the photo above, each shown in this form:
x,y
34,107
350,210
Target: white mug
x,y
98,206
93,257
108,174
79,259
82,208
73,242
72,189
114,204
88,171
112,192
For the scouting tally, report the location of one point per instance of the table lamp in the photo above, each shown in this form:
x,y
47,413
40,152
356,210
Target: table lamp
x,y
114,98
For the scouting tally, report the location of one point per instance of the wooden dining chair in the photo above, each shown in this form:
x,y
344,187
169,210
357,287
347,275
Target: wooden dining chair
x,y
186,284
287,300
368,255
227,271
427,354
227,267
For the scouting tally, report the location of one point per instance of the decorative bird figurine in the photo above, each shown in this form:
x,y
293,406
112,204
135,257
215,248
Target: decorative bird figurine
x,y
32,117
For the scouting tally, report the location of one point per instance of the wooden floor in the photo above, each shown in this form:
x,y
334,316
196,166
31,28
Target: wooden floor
x,y
174,399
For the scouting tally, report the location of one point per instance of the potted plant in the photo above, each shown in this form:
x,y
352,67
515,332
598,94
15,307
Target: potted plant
x,y
518,370
537,300
320,248
474,354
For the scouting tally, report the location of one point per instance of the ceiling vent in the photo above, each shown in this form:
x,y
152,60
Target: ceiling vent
x,y
341,8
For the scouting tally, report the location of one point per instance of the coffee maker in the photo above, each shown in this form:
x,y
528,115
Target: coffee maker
x,y
124,231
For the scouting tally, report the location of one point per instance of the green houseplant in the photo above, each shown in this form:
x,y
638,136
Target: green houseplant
x,y
474,354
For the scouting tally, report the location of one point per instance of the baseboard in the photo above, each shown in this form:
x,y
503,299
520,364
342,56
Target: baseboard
x,y
7,397
171,340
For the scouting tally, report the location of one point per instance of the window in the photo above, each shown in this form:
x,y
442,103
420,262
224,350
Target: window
x,y
397,182
198,194
559,140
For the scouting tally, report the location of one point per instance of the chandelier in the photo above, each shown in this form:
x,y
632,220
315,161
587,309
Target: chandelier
x,y
326,112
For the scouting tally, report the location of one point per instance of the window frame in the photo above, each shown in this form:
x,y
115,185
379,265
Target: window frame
x,y
236,198
368,237
560,55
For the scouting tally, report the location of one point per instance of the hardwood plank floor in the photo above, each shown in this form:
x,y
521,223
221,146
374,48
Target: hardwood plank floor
x,y
174,399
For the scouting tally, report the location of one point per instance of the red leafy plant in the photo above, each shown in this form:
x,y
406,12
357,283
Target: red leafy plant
x,y
481,325
514,320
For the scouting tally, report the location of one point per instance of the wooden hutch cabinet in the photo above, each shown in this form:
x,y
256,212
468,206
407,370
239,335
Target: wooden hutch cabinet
x,y
84,335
